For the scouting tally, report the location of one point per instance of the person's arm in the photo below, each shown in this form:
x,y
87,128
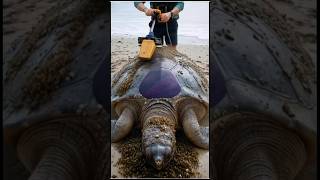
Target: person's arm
x,y
141,7
178,8
165,17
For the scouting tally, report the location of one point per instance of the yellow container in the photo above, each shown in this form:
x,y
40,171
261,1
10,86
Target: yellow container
x,y
147,49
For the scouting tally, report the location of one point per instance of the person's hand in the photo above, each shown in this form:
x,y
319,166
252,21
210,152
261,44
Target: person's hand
x,y
149,11
165,17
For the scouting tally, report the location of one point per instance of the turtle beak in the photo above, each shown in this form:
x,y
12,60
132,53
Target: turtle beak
x,y
159,155
158,161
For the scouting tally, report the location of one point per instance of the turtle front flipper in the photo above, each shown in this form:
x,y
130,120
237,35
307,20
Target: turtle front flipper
x,y
121,127
197,134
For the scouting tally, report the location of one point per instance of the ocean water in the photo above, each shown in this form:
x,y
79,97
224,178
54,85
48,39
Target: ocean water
x,y
193,23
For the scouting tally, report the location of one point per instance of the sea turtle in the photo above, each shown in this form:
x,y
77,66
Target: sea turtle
x,y
263,95
52,116
160,96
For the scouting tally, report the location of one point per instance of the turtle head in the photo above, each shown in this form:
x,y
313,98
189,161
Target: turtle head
x,y
159,146
158,133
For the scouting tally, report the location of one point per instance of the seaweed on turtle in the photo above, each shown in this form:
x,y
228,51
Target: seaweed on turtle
x,y
133,163
70,145
159,117
164,52
132,68
247,9
252,130
185,61
47,76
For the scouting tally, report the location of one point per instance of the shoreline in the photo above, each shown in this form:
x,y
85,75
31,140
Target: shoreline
x,y
182,39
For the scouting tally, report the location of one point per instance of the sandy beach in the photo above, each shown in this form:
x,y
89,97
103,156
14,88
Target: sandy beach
x,y
125,47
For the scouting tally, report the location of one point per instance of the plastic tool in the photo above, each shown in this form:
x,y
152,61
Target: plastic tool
x,y
150,42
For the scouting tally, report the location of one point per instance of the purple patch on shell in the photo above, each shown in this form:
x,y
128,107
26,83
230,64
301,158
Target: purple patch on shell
x,y
159,84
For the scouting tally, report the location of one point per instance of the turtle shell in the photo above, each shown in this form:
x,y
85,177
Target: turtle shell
x,y
260,66
169,75
58,77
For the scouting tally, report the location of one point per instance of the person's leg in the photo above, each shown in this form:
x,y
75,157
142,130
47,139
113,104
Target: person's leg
x,y
159,34
157,31
171,34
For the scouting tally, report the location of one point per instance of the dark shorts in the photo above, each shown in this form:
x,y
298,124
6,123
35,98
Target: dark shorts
x,y
160,30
